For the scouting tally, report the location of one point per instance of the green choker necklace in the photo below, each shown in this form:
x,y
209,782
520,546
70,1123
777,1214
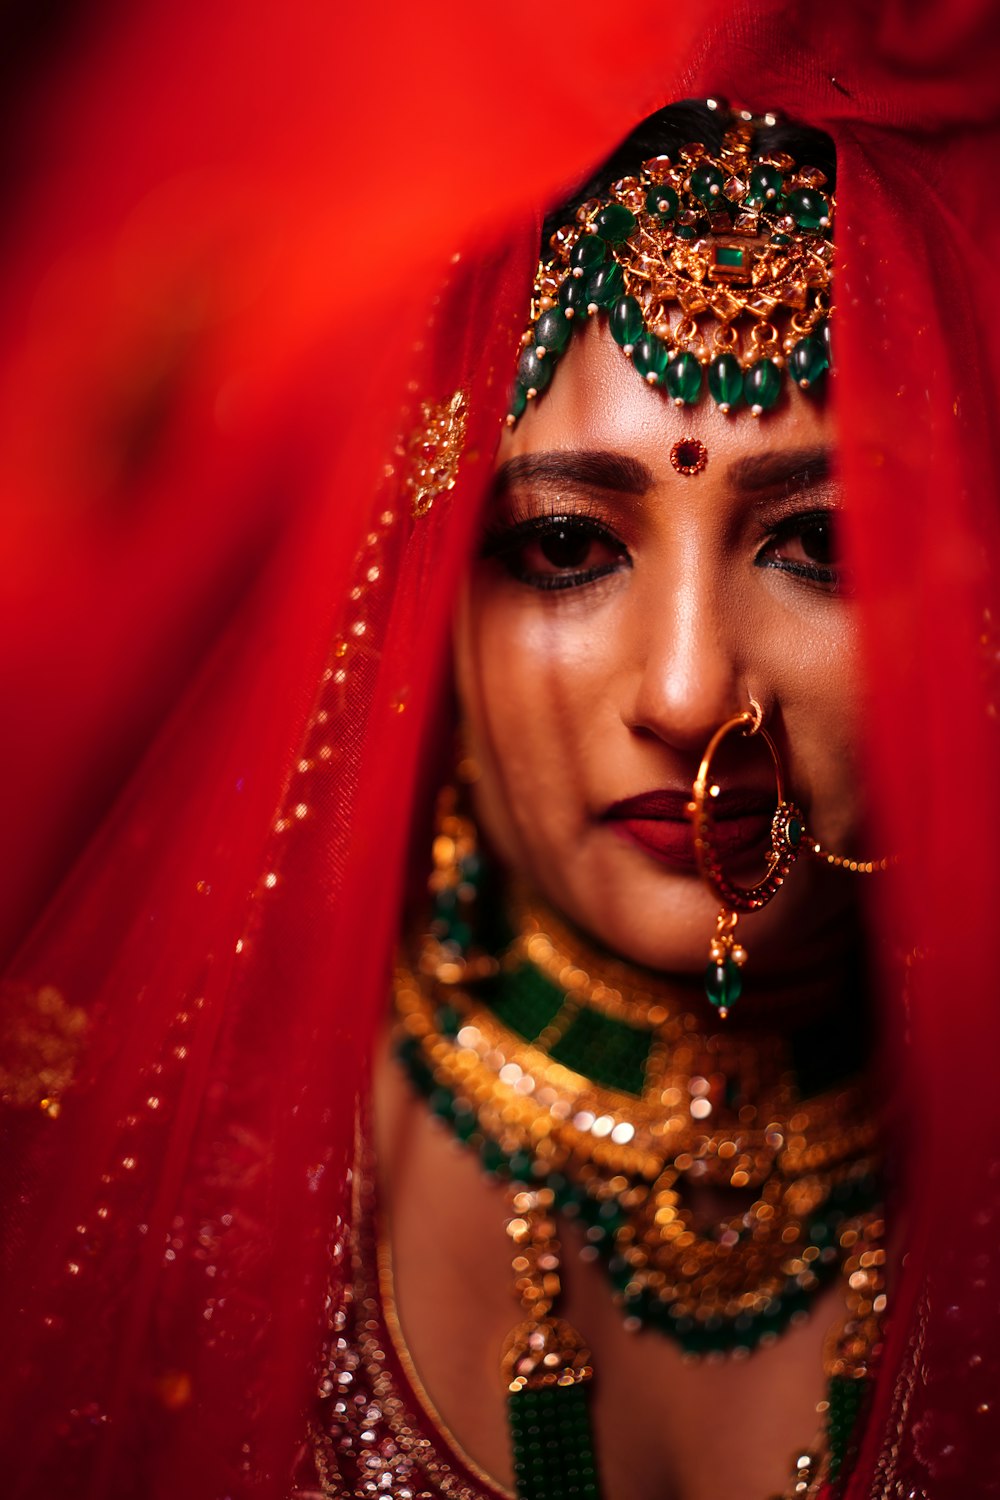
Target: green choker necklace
x,y
582,1084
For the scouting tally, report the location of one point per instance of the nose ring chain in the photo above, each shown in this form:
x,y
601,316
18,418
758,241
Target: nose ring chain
x,y
788,838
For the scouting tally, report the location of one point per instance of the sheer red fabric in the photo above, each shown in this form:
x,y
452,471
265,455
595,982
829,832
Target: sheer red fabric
x,y
245,249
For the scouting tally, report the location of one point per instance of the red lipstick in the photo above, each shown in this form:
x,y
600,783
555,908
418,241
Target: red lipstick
x,y
659,824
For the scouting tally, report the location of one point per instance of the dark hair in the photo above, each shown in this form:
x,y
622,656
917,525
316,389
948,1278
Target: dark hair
x,y
664,132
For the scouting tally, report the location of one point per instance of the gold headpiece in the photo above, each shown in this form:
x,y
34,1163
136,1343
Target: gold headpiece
x,y
722,262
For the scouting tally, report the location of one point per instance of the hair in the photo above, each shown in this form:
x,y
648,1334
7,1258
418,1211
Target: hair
x,y
663,133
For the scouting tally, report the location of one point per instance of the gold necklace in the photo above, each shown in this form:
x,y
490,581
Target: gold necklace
x,y
700,1110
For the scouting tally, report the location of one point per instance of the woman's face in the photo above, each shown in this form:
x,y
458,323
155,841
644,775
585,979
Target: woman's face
x,y
618,612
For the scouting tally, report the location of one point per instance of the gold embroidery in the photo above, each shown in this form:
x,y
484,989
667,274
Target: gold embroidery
x,y
433,451
40,1037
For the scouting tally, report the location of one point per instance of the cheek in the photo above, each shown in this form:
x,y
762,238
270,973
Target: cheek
x,y
820,697
538,697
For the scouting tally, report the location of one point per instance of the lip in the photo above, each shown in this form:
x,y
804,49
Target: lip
x,y
658,823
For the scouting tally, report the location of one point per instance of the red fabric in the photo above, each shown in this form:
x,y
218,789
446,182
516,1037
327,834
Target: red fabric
x,y
228,283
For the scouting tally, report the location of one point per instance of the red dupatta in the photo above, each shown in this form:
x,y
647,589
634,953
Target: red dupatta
x,y
246,249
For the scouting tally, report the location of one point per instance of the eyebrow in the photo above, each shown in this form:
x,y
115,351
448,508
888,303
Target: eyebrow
x,y
589,469
783,467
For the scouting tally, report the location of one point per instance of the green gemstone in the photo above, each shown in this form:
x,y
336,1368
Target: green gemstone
x,y
526,1001
725,380
518,400
615,223
707,183
611,1052
492,1156
588,253
732,256
685,232
552,330
723,984
532,372
683,378
762,385
793,832
780,239
605,285
650,357
662,200
808,208
809,361
626,321
448,1020
766,184
442,1104
573,297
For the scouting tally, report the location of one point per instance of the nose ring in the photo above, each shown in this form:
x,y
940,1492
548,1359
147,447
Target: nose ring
x,y
788,839
723,977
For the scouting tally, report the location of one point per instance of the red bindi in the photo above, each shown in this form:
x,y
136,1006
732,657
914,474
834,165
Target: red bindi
x,y
689,456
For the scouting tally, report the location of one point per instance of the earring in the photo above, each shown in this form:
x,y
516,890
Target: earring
x,y
788,839
723,977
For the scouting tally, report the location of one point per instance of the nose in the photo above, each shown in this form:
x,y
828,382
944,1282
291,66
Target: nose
x,y
685,673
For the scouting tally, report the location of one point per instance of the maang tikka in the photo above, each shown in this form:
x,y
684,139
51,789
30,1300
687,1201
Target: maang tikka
x,y
711,269
788,837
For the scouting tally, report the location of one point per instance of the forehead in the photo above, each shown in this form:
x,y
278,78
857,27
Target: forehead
x,y
598,401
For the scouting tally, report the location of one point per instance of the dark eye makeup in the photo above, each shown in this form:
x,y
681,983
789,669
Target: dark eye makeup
x,y
569,548
556,549
804,545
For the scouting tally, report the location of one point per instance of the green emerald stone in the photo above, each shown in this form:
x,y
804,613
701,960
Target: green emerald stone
x,y
615,223
780,239
626,321
809,361
525,1001
808,208
683,378
518,400
662,200
685,232
588,253
532,372
733,256
552,330
766,183
725,380
793,831
723,984
573,297
605,285
762,385
707,184
650,357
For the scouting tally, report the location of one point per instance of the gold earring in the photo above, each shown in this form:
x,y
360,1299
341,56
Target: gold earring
x,y
789,839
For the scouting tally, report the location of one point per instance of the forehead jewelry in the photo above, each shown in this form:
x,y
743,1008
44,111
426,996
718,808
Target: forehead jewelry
x,y
788,837
710,269
689,456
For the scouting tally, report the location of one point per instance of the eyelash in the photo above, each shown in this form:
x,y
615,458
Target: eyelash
x,y
502,540
831,578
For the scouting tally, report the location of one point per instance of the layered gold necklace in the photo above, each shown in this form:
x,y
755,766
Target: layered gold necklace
x,y
585,1085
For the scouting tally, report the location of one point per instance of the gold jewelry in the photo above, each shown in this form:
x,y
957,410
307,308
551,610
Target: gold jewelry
x,y
743,238
788,839
511,1064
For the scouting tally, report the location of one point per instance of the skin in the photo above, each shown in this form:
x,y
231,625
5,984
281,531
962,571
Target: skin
x,y
574,698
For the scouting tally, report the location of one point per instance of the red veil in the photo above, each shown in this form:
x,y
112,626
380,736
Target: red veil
x,y
248,251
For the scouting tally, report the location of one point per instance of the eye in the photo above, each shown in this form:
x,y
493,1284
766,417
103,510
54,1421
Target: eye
x,y
806,546
557,551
